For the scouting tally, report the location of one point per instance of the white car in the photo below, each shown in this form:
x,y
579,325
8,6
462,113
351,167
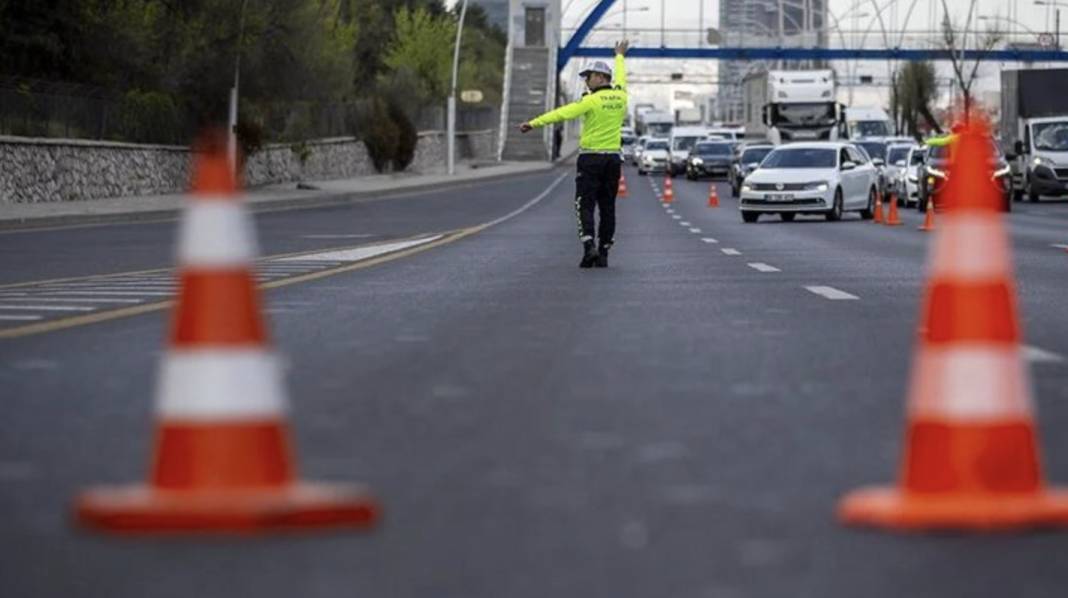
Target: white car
x,y
828,178
897,155
638,147
682,140
910,175
655,156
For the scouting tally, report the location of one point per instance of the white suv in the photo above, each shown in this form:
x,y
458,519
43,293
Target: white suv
x,y
827,178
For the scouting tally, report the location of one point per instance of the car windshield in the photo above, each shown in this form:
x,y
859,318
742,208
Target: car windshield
x,y
713,149
756,154
917,157
869,128
685,143
875,149
1051,137
656,145
940,153
801,158
628,140
896,154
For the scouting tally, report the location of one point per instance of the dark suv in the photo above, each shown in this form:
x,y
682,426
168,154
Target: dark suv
x,y
746,159
936,174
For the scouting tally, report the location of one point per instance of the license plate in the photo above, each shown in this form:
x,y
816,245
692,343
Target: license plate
x,y
779,197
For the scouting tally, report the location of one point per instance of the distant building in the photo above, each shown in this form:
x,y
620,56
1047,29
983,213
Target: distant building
x,y
754,23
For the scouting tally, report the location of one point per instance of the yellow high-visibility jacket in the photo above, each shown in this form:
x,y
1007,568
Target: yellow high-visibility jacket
x,y
603,112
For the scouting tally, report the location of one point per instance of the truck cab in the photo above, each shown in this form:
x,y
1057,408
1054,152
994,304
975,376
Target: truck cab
x,y
784,106
867,122
1041,158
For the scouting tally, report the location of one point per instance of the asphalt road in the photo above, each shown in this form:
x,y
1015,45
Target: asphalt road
x,y
677,426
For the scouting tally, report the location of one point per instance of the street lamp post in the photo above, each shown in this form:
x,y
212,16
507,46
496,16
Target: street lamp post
x,y
231,136
450,117
1056,18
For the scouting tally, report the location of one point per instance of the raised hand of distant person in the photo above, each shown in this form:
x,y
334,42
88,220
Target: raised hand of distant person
x,y
622,47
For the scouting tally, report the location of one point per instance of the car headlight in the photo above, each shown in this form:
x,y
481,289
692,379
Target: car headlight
x,y
818,186
697,161
746,187
930,180
1042,161
1002,172
936,172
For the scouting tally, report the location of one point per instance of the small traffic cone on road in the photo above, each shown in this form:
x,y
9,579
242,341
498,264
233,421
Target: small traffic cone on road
x,y
893,219
669,190
622,191
971,459
222,460
929,218
878,208
713,197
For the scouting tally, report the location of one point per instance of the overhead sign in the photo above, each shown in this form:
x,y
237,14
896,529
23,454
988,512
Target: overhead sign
x,y
471,96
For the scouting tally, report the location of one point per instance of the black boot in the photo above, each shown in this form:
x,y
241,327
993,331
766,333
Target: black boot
x,y
589,255
602,257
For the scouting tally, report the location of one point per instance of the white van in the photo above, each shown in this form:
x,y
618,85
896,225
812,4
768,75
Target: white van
x,y
682,140
868,122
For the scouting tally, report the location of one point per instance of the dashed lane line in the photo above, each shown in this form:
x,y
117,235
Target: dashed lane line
x,y
831,293
762,267
730,251
676,217
709,240
684,223
1059,246
1037,355
695,231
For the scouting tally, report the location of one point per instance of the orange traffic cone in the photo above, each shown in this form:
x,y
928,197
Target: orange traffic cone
x,y
669,190
222,460
622,191
878,208
713,197
928,220
971,458
893,219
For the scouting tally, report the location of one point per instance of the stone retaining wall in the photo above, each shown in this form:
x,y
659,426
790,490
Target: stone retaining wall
x,y
42,170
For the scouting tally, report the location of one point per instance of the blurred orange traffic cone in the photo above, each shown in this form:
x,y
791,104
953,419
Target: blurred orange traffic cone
x,y
622,191
928,220
893,219
222,460
971,458
713,197
669,190
878,208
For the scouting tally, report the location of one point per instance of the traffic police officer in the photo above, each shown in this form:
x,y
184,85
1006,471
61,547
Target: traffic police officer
x,y
603,109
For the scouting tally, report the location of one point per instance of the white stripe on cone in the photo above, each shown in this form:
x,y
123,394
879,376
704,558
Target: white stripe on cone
x,y
971,247
220,385
216,233
973,383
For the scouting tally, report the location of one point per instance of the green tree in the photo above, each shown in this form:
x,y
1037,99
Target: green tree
x,y
915,89
421,44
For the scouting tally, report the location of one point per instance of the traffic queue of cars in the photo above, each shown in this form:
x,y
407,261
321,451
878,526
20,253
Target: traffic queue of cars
x,y
827,178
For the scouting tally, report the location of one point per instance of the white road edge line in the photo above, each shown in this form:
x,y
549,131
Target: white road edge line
x,y
831,293
20,318
46,307
1037,355
730,251
762,267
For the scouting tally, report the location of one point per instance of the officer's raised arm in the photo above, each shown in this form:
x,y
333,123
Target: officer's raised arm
x,y
620,74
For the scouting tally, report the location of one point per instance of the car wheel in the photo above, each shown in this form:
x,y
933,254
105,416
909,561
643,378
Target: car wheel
x,y
1017,195
1032,195
641,172
750,217
788,216
734,191
869,212
836,210
1008,203
690,176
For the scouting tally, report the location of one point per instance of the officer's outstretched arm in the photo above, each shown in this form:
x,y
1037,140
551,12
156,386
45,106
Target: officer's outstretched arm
x,y
620,71
568,112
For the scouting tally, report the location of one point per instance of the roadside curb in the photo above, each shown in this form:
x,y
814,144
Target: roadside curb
x,y
313,199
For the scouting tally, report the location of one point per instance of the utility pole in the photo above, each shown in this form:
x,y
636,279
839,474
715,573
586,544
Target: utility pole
x,y
231,133
450,117
782,24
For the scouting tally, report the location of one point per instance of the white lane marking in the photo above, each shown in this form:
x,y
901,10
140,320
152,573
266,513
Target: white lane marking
x,y
528,205
70,299
354,236
695,231
362,253
115,293
676,217
729,251
831,293
1059,246
1036,355
709,240
762,267
684,223
19,318
47,307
